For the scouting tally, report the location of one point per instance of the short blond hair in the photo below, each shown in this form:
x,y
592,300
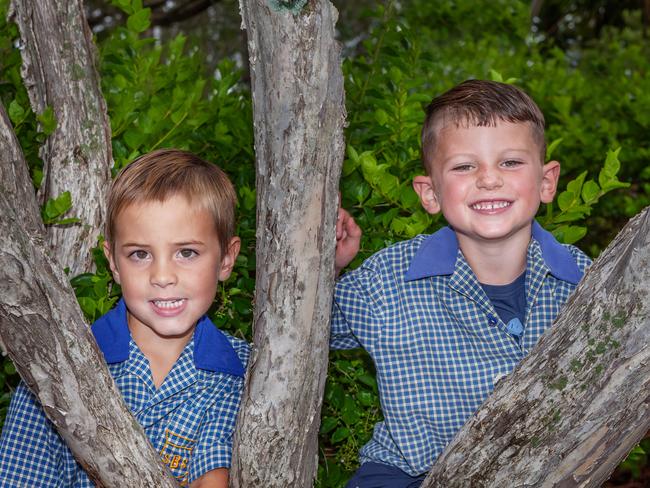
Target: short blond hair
x,y
161,174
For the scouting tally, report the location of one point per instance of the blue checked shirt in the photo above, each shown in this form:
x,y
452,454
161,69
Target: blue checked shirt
x,y
437,343
189,420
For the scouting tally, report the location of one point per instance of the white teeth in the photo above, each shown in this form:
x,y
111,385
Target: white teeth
x,y
168,303
490,205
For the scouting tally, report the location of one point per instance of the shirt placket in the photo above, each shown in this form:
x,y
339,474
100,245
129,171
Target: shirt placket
x,y
536,275
178,379
464,282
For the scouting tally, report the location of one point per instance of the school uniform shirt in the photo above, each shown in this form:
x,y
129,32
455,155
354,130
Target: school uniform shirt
x,y
436,341
189,420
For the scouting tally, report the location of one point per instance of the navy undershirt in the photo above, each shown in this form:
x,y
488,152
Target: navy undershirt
x,y
509,301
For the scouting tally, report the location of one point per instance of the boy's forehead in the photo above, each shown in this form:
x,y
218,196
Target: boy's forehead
x,y
520,134
172,206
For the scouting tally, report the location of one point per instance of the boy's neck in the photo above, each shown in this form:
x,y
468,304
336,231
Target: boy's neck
x,y
497,263
161,352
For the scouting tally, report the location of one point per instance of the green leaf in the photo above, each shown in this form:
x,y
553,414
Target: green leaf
x,y
352,152
575,186
55,207
340,434
381,116
47,120
336,396
9,368
369,380
569,234
496,76
395,74
550,149
329,423
565,200
350,411
139,21
70,220
16,112
88,306
609,171
125,5
590,192
365,398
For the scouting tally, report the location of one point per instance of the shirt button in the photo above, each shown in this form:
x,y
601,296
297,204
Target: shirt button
x,y
492,320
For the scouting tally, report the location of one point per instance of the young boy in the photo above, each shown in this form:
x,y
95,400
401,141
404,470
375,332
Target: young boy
x,y
445,316
169,241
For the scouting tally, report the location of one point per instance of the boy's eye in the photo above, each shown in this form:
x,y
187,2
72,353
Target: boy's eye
x,y
139,255
187,253
511,163
462,167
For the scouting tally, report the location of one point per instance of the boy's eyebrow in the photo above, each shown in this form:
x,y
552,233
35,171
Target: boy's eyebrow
x,y
134,244
190,242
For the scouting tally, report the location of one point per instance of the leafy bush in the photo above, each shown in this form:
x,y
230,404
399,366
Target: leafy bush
x,y
158,95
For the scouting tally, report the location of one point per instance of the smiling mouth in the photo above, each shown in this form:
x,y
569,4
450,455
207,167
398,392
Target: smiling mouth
x,y
169,304
494,205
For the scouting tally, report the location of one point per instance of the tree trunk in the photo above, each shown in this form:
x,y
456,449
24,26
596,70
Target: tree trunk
x,y
15,180
574,408
299,114
52,348
59,72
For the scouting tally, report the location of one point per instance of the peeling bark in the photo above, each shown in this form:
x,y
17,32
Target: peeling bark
x,y
574,408
299,114
59,71
15,181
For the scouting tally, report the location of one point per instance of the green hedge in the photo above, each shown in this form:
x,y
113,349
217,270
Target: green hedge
x,y
596,100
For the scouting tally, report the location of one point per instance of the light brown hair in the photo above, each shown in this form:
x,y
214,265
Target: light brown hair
x,y
164,173
480,103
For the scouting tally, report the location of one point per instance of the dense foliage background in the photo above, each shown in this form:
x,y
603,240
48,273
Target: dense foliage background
x,y
587,70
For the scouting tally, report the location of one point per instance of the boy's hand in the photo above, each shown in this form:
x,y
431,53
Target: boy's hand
x,y
348,239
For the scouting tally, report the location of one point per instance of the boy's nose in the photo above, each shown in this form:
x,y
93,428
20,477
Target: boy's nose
x,y
489,179
162,274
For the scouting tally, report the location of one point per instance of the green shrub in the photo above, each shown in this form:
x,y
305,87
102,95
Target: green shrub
x,y
596,100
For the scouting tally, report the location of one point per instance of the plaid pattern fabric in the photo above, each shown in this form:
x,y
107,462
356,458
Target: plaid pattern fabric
x,y
189,420
437,343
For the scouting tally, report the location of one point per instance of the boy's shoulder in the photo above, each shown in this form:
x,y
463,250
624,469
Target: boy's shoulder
x,y
565,261
397,254
420,256
582,260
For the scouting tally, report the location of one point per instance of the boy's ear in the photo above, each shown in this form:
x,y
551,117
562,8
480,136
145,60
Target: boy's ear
x,y
550,177
229,257
423,186
111,261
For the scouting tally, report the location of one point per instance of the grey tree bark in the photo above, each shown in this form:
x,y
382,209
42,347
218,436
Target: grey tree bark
x,y
59,71
574,408
41,326
299,114
43,330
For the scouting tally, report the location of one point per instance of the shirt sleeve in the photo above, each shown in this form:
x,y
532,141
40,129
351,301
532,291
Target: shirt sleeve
x,y
214,446
357,308
30,448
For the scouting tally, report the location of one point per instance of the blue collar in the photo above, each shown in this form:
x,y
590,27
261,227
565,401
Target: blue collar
x,y
437,256
212,349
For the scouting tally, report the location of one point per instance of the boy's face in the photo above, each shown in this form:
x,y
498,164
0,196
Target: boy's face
x,y
166,257
487,181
